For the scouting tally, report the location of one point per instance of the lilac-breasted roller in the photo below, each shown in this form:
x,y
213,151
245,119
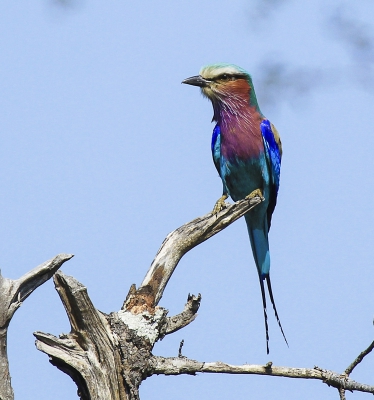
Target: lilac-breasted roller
x,y
247,153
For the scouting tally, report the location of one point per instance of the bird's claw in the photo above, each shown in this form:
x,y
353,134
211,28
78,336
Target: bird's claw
x,y
255,193
220,204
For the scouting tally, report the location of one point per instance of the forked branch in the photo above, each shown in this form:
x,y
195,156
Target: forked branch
x,y
188,315
108,356
183,365
12,294
353,365
176,245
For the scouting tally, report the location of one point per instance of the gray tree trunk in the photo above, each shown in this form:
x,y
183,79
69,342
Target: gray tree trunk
x,y
109,355
12,294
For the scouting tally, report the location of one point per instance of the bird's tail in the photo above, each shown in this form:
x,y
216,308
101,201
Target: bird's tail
x,y
267,277
260,248
268,282
265,314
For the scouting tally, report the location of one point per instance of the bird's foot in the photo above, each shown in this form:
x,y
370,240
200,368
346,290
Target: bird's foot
x,y
220,204
255,193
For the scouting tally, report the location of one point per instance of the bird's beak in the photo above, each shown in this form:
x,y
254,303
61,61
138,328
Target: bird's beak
x,y
197,80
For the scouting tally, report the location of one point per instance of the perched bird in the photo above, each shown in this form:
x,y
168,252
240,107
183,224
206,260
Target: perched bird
x,y
247,153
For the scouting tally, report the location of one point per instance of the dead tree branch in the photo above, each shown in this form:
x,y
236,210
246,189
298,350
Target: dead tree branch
x,y
183,365
359,358
188,315
108,356
88,355
12,294
176,245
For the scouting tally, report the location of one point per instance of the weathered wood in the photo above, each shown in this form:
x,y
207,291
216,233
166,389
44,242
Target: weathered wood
x,y
359,358
6,390
12,294
177,244
183,365
188,315
108,356
88,354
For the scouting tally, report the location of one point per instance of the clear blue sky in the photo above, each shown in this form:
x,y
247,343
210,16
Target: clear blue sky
x,y
104,152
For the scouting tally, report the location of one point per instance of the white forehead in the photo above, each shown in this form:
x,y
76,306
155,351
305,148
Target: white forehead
x,y
212,71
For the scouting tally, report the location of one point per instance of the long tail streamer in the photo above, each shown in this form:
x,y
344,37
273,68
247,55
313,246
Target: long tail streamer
x,y
265,314
275,308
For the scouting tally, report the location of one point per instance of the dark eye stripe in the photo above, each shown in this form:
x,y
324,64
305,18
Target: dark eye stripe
x,y
226,77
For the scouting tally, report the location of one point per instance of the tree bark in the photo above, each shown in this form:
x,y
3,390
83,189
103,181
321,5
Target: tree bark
x,y
6,391
109,355
12,294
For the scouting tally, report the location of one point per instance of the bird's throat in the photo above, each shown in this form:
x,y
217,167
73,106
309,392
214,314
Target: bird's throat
x,y
240,130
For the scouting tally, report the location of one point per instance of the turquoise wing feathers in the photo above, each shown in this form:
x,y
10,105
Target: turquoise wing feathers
x,y
216,153
216,147
273,154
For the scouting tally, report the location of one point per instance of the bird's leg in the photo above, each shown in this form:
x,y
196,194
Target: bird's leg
x,y
220,204
255,193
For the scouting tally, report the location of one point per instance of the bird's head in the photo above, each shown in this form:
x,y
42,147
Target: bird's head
x,y
225,84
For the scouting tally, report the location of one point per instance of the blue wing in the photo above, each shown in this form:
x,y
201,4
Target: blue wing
x,y
273,153
216,147
216,153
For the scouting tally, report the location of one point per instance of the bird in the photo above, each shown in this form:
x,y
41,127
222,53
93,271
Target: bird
x,y
247,152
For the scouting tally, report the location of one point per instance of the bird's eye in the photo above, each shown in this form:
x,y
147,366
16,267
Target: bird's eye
x,y
227,77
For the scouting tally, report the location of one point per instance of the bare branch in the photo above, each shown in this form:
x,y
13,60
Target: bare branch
x,y
180,348
108,356
27,283
12,294
342,393
6,390
188,315
178,243
359,358
183,365
88,354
